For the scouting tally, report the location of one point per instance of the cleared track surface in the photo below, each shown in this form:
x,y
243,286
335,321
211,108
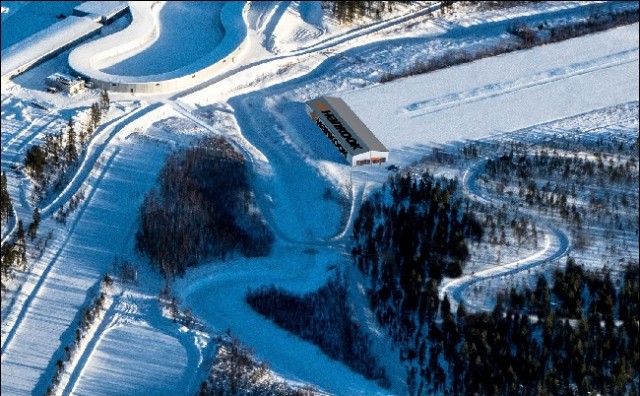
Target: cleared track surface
x,y
556,245
144,30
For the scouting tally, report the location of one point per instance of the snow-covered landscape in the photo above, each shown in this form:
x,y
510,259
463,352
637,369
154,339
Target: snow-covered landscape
x,y
453,89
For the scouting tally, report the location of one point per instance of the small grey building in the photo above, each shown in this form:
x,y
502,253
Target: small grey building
x,y
65,83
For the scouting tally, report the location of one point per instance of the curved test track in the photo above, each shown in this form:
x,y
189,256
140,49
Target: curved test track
x,y
556,246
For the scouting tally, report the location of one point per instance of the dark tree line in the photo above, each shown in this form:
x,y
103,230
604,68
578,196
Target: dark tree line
x,y
323,318
14,255
52,162
578,334
88,318
599,20
596,350
14,251
350,11
585,344
203,208
572,187
6,206
528,36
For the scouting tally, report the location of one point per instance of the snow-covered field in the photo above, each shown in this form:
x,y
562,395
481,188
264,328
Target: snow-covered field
x,y
307,194
470,101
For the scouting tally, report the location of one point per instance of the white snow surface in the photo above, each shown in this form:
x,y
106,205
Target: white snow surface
x,y
145,29
102,8
502,93
259,107
183,38
39,15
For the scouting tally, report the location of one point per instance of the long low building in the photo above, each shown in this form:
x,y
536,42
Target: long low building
x,y
346,131
87,21
46,44
102,11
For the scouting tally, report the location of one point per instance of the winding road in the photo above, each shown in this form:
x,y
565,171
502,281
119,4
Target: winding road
x,y
295,264
556,245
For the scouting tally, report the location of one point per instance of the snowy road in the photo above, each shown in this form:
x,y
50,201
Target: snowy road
x,y
295,169
556,245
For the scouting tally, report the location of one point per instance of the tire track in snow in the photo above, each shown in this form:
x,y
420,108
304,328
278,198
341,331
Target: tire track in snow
x,y
492,90
68,384
23,137
332,43
456,287
24,309
10,227
357,196
93,153
274,18
260,200
362,31
126,313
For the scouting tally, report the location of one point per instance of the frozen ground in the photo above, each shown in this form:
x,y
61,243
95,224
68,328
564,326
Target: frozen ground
x,y
308,195
469,101
605,250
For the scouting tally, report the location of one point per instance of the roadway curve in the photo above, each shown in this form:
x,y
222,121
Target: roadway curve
x,y
143,30
556,245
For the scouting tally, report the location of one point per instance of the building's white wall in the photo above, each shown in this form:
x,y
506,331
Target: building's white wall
x,y
370,156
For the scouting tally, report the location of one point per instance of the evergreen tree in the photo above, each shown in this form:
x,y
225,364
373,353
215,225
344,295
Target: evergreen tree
x,y
71,151
95,116
6,207
35,161
33,227
82,137
104,100
21,244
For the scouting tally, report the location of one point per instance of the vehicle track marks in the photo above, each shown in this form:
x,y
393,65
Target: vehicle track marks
x,y
492,90
20,315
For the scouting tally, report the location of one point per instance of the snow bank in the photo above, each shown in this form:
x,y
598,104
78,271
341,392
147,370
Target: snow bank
x,y
125,357
186,35
142,30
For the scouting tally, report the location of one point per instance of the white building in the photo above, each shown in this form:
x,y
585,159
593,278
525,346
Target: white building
x,y
346,131
65,83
